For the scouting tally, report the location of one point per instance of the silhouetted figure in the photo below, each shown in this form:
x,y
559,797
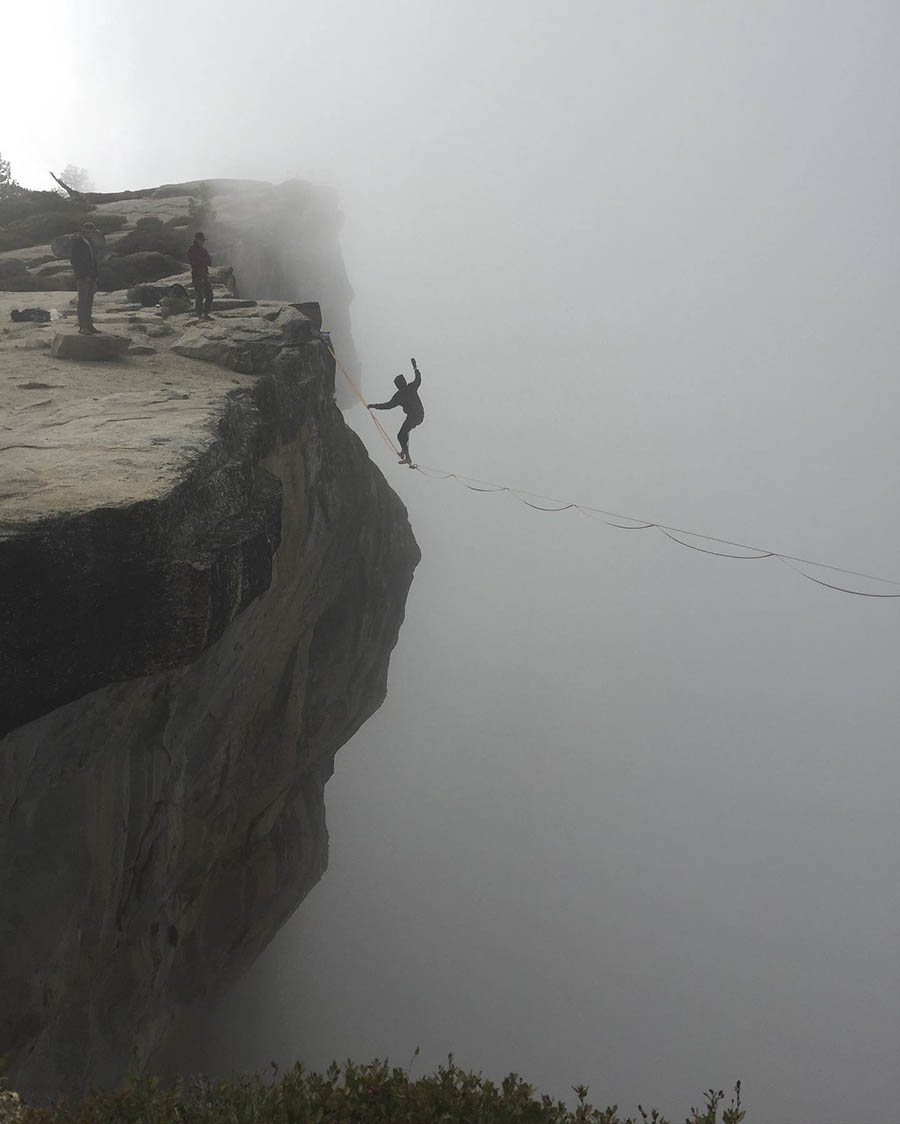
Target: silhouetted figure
x,y
85,258
407,397
200,261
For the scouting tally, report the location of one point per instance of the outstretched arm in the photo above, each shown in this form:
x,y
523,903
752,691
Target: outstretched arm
x,y
383,405
417,381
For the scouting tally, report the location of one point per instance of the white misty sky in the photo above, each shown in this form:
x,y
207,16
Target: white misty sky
x,y
629,815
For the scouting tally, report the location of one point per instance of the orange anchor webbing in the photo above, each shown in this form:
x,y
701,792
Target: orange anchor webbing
x,y
381,428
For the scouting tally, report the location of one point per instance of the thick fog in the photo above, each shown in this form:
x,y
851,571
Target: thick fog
x,y
629,815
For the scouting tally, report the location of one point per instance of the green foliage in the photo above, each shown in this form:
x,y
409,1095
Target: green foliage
x,y
77,178
42,227
731,1115
9,189
349,1094
34,218
25,204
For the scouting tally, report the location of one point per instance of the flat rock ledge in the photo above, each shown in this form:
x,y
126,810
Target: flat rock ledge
x,y
136,524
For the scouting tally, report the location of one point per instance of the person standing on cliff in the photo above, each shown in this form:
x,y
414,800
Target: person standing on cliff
x,y
407,397
84,255
200,261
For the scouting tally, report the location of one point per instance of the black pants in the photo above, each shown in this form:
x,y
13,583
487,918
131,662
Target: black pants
x,y
203,294
403,435
87,287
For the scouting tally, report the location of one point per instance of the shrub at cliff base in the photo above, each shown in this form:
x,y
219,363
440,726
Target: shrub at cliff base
x,y
352,1094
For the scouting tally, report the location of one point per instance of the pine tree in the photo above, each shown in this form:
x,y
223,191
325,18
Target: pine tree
x,y
8,186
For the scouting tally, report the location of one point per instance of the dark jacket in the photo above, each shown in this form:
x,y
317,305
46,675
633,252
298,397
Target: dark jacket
x,y
199,258
408,399
83,258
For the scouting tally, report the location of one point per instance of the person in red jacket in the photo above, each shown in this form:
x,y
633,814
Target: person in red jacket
x,y
200,261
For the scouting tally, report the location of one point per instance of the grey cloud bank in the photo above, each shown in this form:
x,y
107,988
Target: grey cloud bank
x,y
629,814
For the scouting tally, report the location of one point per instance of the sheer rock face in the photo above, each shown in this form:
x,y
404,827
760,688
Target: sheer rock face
x,y
158,825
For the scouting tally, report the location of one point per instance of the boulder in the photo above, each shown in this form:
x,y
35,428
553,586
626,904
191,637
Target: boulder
x,y
15,277
56,282
295,327
59,265
246,345
225,304
311,311
94,349
61,245
154,239
131,269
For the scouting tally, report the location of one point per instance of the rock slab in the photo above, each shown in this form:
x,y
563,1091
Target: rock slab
x,y
246,344
101,348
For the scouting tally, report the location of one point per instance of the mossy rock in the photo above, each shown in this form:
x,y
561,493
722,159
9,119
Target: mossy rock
x,y
149,222
122,272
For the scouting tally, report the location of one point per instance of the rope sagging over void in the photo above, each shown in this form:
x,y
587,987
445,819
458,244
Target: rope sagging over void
x,y
738,551
355,390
